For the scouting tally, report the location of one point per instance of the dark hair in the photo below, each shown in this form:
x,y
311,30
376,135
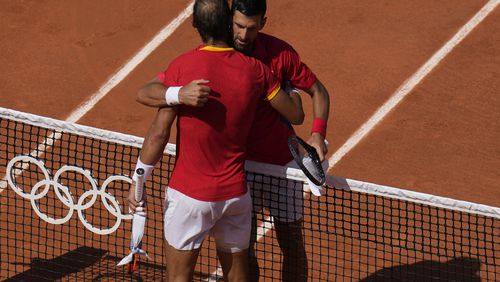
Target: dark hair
x,y
249,8
212,19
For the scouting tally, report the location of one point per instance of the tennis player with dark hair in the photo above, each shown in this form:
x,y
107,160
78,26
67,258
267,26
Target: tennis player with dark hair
x,y
207,192
269,133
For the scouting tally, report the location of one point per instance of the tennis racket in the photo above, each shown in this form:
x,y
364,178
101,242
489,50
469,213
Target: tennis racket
x,y
139,188
307,159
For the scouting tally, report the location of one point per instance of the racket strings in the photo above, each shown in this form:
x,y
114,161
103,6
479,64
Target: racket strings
x,y
313,167
307,159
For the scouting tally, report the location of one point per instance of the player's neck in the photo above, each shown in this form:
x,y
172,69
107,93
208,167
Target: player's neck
x,y
217,43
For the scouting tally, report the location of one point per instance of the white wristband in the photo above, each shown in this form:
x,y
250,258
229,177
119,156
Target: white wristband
x,y
148,169
172,95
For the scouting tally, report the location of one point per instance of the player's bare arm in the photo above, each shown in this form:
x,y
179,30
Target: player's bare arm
x,y
289,106
153,94
154,144
321,109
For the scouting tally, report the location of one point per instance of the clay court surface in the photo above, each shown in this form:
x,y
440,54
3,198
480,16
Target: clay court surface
x,y
443,138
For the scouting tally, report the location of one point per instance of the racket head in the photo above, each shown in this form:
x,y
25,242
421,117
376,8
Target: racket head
x,y
307,159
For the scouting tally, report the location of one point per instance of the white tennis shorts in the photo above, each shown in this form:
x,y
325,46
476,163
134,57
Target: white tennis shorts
x,y
283,198
188,221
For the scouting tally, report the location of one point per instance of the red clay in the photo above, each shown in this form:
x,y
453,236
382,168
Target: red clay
x,y
56,57
443,139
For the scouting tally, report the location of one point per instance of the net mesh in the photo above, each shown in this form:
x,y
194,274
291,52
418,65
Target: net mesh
x,y
353,233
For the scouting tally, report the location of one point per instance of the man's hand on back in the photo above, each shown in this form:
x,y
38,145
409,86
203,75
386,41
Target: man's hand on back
x,y
194,93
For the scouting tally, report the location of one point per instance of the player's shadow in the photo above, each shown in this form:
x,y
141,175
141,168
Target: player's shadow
x,y
61,266
457,269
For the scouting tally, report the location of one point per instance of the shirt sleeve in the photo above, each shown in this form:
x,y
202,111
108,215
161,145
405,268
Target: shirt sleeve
x,y
271,83
296,71
170,77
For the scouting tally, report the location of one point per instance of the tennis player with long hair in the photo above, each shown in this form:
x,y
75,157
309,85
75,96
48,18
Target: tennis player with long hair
x,y
207,193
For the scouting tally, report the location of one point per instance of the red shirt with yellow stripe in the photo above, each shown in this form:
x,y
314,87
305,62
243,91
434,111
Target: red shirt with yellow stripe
x,y
211,141
270,131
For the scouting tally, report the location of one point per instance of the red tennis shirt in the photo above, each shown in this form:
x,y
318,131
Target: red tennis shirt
x,y
211,140
269,134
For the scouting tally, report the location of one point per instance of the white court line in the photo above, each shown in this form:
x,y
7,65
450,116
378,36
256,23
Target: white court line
x,y
410,84
110,84
131,64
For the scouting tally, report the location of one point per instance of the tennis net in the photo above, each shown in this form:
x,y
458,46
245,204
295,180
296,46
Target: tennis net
x,y
357,232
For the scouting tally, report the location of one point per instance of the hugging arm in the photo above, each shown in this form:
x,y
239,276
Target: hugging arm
x,y
321,109
153,94
289,106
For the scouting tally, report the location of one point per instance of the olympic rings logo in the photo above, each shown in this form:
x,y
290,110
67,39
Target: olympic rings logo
x,y
64,195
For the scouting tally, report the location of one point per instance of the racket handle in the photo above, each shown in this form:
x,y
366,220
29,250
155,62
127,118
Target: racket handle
x,y
139,184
